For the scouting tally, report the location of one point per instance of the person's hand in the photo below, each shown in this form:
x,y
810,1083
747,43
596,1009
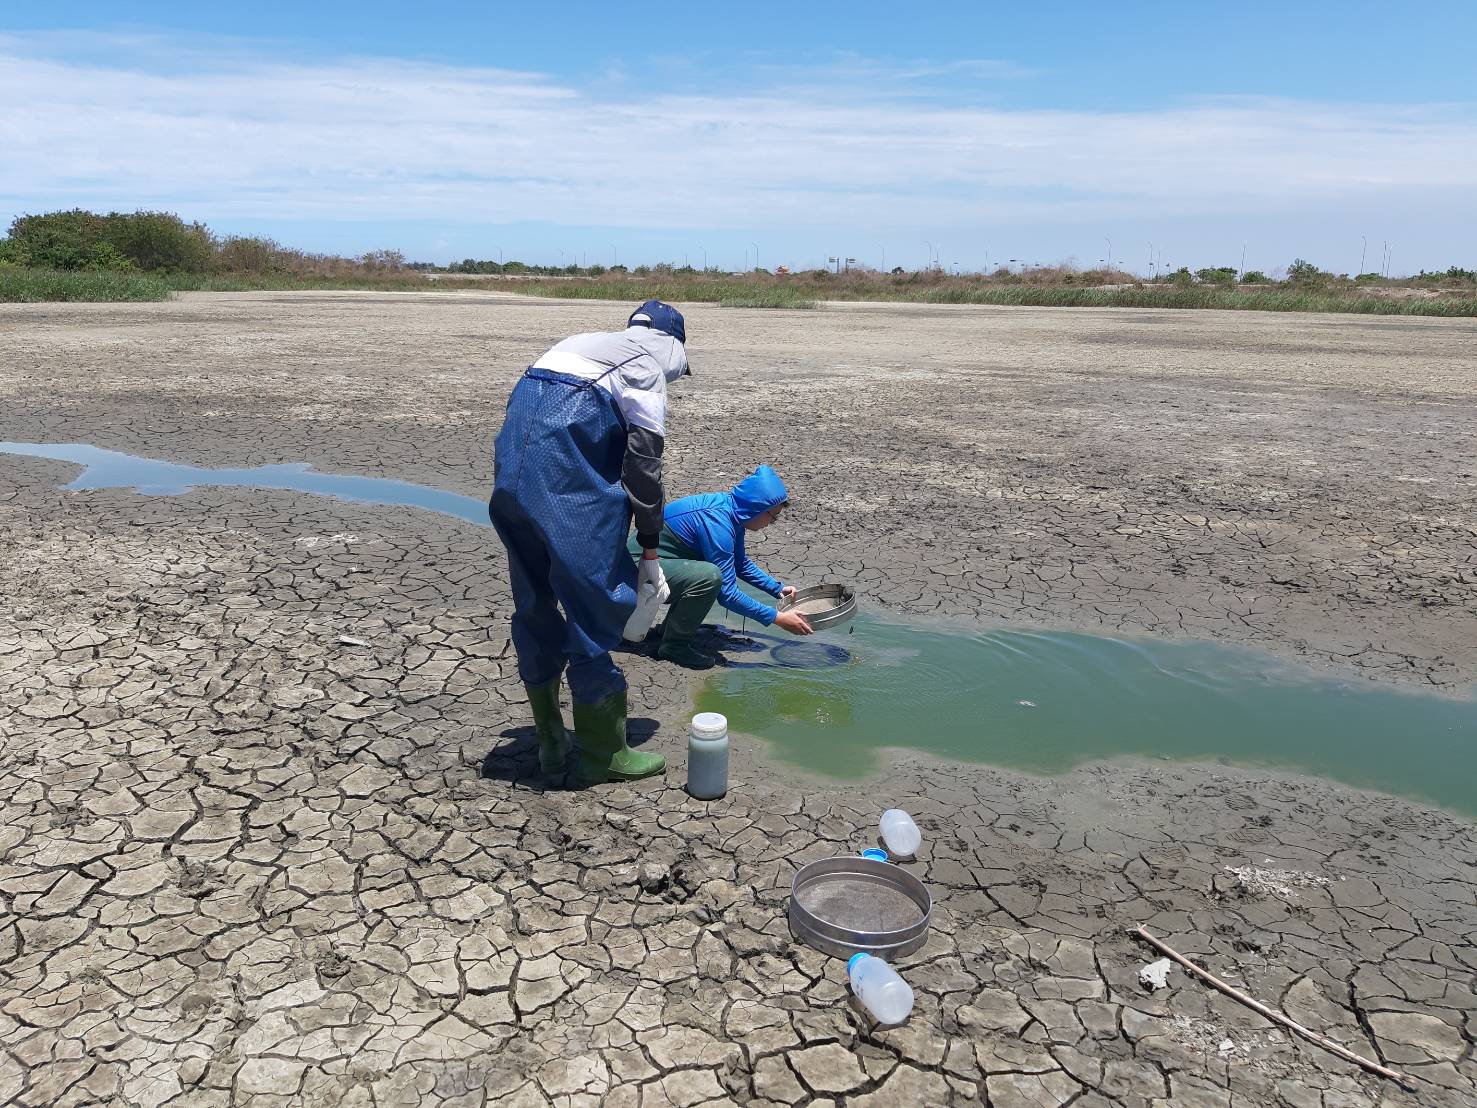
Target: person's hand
x,y
794,623
787,593
651,571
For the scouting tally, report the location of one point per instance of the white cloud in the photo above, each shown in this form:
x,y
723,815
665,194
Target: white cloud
x,y
225,132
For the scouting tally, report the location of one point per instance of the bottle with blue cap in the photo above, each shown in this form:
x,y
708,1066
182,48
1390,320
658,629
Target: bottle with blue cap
x,y
885,995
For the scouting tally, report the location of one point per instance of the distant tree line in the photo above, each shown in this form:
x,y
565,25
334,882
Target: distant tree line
x,y
163,243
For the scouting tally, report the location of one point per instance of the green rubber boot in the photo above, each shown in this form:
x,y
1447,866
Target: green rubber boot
x,y
553,739
604,755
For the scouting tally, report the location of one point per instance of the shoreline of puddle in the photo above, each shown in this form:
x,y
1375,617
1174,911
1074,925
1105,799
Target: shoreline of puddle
x,y
866,759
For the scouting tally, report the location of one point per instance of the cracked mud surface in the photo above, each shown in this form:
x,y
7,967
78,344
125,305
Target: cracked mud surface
x,y
245,861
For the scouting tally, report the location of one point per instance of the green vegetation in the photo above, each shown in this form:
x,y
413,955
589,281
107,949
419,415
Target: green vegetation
x,y
79,255
1176,290
730,292
31,285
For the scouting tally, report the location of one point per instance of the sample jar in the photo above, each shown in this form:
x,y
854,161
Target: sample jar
x,y
707,756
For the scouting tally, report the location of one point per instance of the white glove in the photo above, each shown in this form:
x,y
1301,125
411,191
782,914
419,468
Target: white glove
x,y
651,573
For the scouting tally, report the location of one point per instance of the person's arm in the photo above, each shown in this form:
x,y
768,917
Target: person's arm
x,y
641,477
716,545
748,570
641,395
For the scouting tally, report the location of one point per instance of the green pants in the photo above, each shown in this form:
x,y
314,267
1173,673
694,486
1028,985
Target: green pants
x,y
694,584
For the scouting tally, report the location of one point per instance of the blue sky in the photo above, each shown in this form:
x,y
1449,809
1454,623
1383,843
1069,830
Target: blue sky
x,y
1173,133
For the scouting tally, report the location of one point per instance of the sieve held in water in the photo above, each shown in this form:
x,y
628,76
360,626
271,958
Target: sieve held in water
x,y
823,606
846,906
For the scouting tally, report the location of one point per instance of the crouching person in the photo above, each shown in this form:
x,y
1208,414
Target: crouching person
x,y
703,559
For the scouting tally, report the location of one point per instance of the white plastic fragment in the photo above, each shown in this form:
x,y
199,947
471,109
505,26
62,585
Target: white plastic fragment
x,y
1156,974
350,640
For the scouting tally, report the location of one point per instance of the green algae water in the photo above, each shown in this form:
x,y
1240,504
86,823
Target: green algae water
x,y
1045,701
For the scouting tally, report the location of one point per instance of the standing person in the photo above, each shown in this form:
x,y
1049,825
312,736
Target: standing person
x,y
579,453
703,558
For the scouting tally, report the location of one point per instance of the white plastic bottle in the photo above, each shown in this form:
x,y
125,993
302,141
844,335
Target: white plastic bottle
x,y
877,985
649,601
707,756
900,833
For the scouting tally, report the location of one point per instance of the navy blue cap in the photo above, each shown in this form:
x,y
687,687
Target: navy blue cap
x,y
660,317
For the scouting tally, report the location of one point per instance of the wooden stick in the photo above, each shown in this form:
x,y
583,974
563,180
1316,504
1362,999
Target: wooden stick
x,y
1276,1017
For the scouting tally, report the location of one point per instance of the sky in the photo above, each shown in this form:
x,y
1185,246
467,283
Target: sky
x,y
970,134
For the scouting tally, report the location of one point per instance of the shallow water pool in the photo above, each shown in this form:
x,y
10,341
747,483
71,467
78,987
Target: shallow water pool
x,y
1045,701
109,469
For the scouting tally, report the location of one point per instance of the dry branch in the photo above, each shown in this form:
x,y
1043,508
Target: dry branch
x,y
1257,1006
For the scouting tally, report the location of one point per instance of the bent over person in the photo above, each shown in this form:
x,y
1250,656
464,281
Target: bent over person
x,y
703,559
578,455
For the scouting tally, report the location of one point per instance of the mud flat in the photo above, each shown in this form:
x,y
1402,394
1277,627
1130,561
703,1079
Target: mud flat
x,y
271,831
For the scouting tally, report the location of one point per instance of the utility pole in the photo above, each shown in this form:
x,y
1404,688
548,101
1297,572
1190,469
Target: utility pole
x,y
755,245
1242,270
1110,251
1363,249
615,258
930,254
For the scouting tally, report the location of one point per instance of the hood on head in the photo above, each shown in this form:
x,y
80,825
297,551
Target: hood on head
x,y
758,492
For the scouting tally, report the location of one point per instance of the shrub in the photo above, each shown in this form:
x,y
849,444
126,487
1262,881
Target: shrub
x,y
1217,275
57,240
379,261
244,254
160,241
13,254
1305,273
1255,277
83,240
102,256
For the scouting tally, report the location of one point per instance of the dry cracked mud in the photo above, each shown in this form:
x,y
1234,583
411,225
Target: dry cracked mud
x,y
272,831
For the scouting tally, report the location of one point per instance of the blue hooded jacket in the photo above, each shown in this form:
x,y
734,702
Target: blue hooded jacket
x,y
712,524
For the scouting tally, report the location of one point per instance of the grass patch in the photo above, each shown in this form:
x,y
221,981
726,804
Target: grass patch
x,y
28,286
803,292
405,281
730,293
744,290
1269,300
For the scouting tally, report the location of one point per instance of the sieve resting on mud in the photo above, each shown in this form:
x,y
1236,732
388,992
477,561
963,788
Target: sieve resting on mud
x,y
823,606
846,906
